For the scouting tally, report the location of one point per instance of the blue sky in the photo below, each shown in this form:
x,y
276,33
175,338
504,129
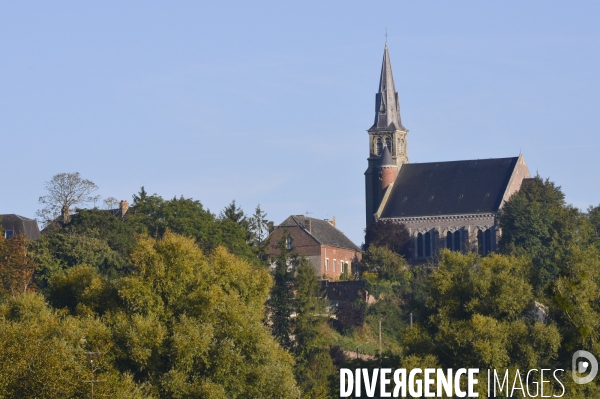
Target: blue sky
x,y
269,102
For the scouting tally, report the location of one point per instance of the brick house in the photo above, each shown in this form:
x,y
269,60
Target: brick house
x,y
329,251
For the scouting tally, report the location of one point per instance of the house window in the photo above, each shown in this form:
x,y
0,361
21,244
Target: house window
x,y
326,264
9,233
289,242
334,265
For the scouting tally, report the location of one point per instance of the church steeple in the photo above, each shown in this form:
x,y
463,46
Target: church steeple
x,y
387,106
387,140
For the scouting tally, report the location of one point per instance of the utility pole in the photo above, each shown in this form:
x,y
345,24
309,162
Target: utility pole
x,y
380,352
93,370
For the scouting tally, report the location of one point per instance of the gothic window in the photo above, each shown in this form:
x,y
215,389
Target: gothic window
x,y
388,143
457,241
454,241
485,241
424,244
488,241
379,146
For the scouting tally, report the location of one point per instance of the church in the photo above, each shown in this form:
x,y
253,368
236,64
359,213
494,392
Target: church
x,y
443,204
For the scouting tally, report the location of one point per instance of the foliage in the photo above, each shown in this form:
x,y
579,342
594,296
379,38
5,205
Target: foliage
x,y
16,268
594,216
388,234
314,367
280,305
64,191
42,354
537,223
152,215
181,323
482,315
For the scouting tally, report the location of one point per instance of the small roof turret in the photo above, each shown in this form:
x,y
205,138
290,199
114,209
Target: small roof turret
x,y
386,158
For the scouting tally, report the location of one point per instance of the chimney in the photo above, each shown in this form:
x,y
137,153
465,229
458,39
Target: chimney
x,y
270,227
307,224
332,221
123,207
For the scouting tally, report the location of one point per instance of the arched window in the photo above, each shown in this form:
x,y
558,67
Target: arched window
x,y
379,146
428,244
419,245
485,241
449,240
488,241
388,143
457,241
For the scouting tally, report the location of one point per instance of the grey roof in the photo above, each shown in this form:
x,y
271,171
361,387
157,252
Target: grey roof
x,y
322,231
449,188
386,158
21,225
387,105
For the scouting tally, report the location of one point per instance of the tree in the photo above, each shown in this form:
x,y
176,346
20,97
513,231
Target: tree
x,y
388,265
594,216
389,234
259,226
16,268
280,301
64,191
536,222
481,315
42,354
314,366
183,324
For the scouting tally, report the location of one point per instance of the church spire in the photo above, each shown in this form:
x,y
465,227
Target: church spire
x,y
387,106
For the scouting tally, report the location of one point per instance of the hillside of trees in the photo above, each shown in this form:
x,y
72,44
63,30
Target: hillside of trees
x,y
173,301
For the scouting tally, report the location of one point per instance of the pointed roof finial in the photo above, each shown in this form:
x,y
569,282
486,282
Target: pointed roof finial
x,y
386,36
387,107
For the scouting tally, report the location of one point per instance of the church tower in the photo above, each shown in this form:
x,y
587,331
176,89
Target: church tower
x,y
386,135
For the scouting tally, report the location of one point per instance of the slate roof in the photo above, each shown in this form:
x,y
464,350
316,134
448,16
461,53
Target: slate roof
x,y
387,105
322,231
449,188
21,225
386,158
